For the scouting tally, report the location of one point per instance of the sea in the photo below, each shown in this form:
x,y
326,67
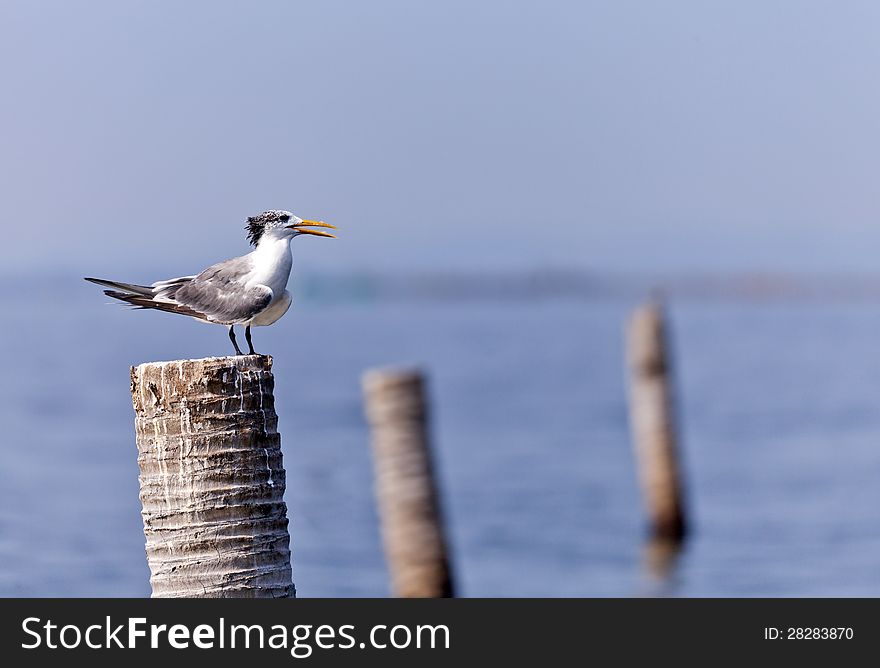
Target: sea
x,y
778,403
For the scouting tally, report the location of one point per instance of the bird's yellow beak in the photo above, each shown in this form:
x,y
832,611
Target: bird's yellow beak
x,y
302,228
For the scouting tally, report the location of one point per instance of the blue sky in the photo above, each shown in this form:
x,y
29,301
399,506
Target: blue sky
x,y
621,136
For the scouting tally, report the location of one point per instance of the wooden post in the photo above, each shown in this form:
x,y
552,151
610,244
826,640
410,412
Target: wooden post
x,y
409,508
212,479
653,424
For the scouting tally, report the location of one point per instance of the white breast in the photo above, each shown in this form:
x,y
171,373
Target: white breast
x,y
277,308
272,262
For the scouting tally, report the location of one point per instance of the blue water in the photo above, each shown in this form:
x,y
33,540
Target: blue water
x,y
780,406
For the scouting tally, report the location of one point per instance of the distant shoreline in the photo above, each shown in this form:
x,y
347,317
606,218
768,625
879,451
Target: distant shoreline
x,y
539,284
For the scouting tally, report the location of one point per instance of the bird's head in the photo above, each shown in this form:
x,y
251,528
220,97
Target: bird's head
x,y
282,225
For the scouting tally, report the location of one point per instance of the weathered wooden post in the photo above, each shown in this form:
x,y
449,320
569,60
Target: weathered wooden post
x,y
211,478
653,423
409,507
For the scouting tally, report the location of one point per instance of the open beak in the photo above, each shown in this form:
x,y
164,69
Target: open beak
x,y
302,228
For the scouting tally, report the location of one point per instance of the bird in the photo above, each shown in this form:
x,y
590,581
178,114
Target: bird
x,y
249,291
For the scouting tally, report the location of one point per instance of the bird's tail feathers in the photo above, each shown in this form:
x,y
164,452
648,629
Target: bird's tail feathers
x,y
166,290
168,282
127,287
147,302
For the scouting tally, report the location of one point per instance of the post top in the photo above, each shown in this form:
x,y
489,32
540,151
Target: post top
x,y
377,379
228,361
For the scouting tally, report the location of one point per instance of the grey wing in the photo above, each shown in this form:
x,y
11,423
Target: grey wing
x,y
220,294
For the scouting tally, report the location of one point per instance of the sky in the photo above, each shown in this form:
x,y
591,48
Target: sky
x,y
136,137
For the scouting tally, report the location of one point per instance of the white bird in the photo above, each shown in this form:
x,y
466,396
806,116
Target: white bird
x,y
250,290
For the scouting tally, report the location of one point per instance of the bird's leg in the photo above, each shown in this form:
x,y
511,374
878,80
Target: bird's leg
x,y
234,342
247,336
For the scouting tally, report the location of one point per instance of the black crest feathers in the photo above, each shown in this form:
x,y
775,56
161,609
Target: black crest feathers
x,y
256,225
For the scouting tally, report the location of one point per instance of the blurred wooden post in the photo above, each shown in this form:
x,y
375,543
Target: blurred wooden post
x,y
653,423
211,478
409,508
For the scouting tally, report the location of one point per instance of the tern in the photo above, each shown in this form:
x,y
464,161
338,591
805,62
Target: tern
x,y
250,290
